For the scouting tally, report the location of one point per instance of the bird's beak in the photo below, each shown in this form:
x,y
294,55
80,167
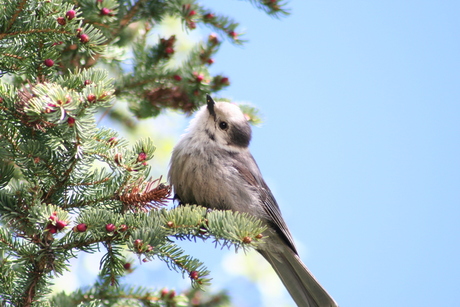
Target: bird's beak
x,y
211,105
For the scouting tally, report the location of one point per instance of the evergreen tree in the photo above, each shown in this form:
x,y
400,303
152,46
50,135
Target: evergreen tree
x,y
68,186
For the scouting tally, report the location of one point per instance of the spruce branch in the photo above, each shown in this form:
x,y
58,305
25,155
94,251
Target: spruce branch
x,y
105,295
228,228
127,19
19,8
206,299
144,195
39,268
68,186
112,263
176,259
275,8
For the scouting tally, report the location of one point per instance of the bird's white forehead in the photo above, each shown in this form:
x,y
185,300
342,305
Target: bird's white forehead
x,y
229,111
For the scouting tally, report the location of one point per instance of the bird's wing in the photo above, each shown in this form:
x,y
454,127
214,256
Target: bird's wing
x,y
251,174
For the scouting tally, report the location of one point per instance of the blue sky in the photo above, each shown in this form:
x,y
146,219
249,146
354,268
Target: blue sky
x,y
360,145
361,141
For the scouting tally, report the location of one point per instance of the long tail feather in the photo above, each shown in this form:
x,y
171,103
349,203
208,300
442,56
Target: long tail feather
x,y
301,284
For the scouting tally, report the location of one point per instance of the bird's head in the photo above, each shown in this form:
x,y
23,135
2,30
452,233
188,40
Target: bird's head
x,y
223,123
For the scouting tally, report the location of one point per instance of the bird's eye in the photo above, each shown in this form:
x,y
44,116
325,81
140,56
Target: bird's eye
x,y
223,125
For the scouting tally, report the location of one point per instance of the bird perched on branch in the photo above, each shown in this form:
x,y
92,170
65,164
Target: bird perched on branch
x,y
212,166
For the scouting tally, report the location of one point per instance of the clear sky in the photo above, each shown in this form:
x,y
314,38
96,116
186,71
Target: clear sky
x,y
360,145
361,140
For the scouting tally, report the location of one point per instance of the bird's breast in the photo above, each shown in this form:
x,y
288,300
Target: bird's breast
x,y
208,178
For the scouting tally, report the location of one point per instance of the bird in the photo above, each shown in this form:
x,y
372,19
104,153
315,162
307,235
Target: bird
x,y
212,166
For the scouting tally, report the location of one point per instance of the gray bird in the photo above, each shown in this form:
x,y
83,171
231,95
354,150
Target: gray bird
x,y
212,166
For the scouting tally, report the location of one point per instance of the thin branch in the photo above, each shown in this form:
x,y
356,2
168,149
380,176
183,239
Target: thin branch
x,y
3,35
91,183
126,20
15,16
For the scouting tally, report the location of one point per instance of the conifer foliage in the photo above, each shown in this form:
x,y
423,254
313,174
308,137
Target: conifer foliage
x,y
68,186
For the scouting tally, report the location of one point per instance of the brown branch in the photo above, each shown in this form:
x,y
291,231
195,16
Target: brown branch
x,y
3,35
31,289
8,244
20,7
70,246
66,175
13,56
134,85
91,183
144,195
126,20
41,266
49,167
134,9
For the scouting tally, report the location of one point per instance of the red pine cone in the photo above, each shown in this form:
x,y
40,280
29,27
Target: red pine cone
x,y
141,157
71,121
49,62
81,227
194,275
70,14
105,11
61,21
110,227
84,38
91,97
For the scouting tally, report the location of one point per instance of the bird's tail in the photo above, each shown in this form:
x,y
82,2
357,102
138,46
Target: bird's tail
x,y
301,284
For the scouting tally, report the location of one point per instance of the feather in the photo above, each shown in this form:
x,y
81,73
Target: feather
x,y
212,166
305,290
